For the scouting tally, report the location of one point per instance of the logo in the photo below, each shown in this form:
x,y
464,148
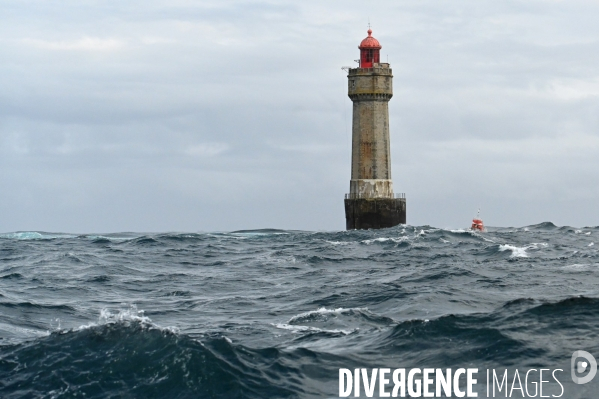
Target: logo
x,y
579,366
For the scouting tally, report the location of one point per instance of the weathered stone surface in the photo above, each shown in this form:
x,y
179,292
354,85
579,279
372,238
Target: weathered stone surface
x,y
374,213
371,203
370,89
371,188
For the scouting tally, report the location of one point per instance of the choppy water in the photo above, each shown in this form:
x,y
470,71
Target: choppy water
x,y
275,314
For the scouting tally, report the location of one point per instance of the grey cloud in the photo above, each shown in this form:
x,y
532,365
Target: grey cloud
x,y
185,115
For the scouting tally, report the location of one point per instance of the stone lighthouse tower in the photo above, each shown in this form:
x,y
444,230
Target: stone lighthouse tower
x,y
371,202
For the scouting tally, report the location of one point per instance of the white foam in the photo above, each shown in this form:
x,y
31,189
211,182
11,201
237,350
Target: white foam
x,y
126,317
338,242
424,232
131,314
588,233
517,252
385,239
520,252
33,235
591,244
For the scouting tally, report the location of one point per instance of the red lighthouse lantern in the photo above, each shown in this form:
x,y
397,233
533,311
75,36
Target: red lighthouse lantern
x,y
370,49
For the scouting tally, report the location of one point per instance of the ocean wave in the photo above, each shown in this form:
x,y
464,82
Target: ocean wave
x,y
33,305
581,267
396,240
339,242
12,276
545,226
452,340
313,314
99,279
571,306
259,232
260,314
339,320
125,317
144,241
498,336
296,328
129,359
520,252
517,252
109,238
10,333
34,235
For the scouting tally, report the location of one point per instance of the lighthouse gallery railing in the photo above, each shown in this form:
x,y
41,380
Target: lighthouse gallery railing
x,y
368,195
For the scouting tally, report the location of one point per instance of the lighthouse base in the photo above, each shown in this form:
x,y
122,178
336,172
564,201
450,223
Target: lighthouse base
x,y
374,213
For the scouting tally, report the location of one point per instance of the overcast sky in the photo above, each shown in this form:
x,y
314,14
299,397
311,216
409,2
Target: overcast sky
x,y
183,115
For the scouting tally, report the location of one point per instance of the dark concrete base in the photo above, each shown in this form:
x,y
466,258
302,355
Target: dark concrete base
x,y
374,213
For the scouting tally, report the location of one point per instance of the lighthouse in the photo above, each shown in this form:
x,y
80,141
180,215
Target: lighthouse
x,y
371,202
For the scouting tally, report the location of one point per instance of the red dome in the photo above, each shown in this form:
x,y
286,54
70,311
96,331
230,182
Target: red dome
x,y
370,42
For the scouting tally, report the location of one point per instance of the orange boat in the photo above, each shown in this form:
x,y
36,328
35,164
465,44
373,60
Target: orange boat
x,y
477,223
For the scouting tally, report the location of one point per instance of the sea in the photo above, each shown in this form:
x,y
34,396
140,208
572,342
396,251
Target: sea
x,y
277,313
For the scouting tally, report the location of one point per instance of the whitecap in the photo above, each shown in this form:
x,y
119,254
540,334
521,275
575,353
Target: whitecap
x,y
517,252
520,252
125,317
385,239
338,242
33,235
131,314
